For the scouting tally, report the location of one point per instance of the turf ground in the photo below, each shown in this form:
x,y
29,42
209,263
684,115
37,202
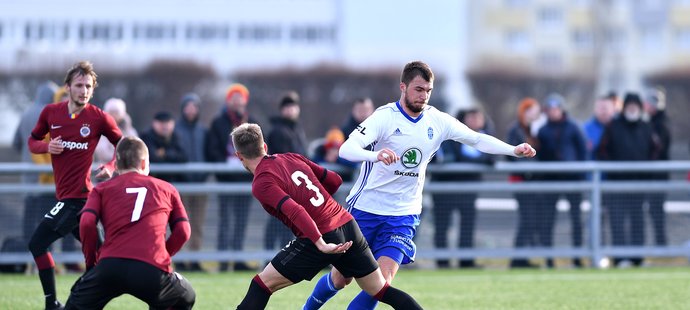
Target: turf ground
x,y
646,288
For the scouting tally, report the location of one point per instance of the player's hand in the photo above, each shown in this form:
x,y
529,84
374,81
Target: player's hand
x,y
55,146
103,173
387,156
525,150
332,248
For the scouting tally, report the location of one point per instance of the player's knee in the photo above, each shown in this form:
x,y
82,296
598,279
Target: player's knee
x,y
36,246
339,281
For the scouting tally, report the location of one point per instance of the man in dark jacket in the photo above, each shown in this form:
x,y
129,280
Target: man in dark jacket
x,y
219,148
192,134
560,139
655,106
164,146
445,204
628,138
286,136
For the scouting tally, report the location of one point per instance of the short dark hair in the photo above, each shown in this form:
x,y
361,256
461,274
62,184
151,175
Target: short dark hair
x,y
248,140
414,69
130,151
463,113
81,68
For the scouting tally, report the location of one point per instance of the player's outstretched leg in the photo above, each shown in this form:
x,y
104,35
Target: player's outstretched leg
x,y
376,288
42,238
324,290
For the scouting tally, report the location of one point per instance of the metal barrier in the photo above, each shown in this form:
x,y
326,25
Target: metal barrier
x,y
495,188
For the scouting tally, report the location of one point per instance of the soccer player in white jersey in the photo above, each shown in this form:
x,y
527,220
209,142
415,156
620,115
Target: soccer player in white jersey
x,y
395,145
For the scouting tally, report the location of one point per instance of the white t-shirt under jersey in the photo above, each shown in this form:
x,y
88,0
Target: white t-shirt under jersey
x,y
396,189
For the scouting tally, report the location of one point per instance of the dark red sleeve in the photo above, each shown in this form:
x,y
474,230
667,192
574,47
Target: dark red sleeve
x,y
110,129
330,180
179,225
87,228
36,144
266,190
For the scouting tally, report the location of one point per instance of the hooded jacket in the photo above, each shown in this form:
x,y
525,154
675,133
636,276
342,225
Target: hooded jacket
x,y
191,135
44,96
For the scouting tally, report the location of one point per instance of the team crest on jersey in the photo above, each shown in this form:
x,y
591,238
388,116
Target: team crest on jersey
x,y
430,133
411,158
85,130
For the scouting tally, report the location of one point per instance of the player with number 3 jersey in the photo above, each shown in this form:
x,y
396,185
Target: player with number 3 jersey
x,y
298,192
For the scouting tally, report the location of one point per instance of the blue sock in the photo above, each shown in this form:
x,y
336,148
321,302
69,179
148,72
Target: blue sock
x,y
363,302
323,291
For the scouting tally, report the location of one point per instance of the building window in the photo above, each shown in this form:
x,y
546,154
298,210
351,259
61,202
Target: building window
x,y
651,39
517,41
615,40
550,61
154,32
683,39
259,33
208,32
550,17
583,40
312,34
516,3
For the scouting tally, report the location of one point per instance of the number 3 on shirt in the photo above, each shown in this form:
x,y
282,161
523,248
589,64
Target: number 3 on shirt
x,y
139,203
296,176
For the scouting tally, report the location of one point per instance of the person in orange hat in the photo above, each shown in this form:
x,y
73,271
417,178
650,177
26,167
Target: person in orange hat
x,y
528,115
219,148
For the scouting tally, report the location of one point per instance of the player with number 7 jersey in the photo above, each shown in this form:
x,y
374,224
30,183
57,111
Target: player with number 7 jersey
x,y
135,211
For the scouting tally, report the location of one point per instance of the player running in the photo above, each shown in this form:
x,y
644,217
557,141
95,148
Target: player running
x,y
75,127
386,199
135,210
298,192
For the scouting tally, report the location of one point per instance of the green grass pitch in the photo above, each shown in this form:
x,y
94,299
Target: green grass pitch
x,y
646,288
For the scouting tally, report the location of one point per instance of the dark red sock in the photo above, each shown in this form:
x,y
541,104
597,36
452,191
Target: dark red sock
x,y
44,261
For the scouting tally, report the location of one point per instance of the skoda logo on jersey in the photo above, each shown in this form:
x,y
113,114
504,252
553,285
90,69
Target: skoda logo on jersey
x,y
411,158
430,133
85,131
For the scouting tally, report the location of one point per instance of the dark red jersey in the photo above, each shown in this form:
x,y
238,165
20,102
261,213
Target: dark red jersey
x,y
298,192
135,211
79,136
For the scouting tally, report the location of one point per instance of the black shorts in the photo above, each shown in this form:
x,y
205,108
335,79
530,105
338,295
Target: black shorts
x,y
112,277
64,216
302,260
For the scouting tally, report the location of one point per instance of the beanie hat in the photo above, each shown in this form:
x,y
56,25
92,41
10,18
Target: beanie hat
x,y
334,138
237,89
632,98
190,97
554,100
163,116
289,98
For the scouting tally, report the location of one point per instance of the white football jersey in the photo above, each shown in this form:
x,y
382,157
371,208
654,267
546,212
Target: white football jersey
x,y
397,189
